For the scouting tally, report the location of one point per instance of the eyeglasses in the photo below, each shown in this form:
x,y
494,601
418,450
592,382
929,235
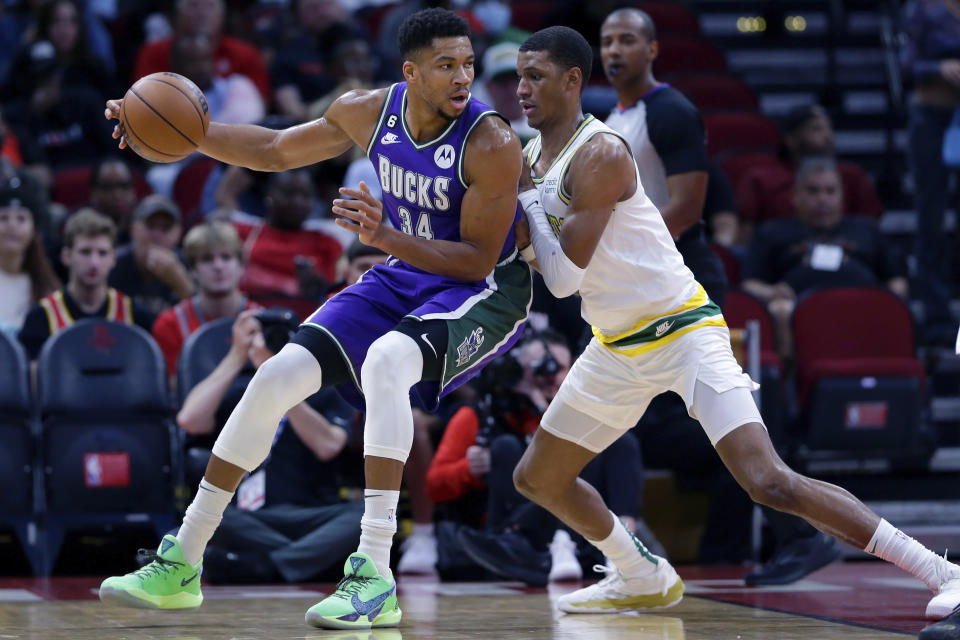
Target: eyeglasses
x,y
110,186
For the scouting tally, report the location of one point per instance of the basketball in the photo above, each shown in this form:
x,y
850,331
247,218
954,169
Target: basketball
x,y
164,117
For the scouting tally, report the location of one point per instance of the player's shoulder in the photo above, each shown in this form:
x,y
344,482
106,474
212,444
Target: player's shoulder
x,y
492,133
669,103
607,147
364,99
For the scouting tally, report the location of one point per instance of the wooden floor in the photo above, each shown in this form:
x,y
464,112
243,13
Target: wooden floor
x,y
850,601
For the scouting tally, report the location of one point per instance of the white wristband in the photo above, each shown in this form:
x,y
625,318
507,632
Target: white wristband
x,y
560,274
528,254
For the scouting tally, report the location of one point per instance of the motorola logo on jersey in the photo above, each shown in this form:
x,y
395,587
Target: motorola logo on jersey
x,y
444,156
424,192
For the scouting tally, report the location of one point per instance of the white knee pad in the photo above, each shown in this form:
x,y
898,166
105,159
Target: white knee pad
x,y
280,383
393,364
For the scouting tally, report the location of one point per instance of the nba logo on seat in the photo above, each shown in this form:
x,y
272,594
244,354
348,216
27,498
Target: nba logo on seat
x,y
102,340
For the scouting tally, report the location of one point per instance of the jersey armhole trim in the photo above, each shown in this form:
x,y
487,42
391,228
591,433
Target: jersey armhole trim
x,y
561,191
383,113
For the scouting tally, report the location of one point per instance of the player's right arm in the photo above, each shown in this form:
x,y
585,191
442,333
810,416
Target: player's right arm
x,y
349,120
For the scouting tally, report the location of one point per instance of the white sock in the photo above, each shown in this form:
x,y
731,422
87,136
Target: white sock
x,y
377,527
424,529
202,519
627,553
893,545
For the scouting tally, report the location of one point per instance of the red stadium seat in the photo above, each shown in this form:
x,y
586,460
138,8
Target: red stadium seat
x,y
671,18
715,91
727,132
687,53
860,386
736,165
188,189
731,265
71,187
741,307
528,14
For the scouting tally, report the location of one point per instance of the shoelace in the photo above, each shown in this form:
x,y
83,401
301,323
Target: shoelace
x,y
153,564
350,585
611,573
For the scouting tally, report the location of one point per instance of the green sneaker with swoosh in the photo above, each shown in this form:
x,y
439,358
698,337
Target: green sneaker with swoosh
x,y
167,582
362,599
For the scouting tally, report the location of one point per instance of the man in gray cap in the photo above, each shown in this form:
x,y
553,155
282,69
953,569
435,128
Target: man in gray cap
x,y
150,269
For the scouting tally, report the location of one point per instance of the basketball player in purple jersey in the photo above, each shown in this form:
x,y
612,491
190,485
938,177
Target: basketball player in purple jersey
x,y
453,295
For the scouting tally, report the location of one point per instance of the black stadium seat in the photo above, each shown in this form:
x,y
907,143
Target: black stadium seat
x,y
107,437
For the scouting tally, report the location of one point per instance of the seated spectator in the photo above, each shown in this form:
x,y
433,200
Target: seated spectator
x,y
150,269
820,247
302,71
13,175
214,256
231,98
113,193
231,55
497,86
765,192
56,111
25,273
480,449
720,210
353,65
283,257
358,259
89,240
288,519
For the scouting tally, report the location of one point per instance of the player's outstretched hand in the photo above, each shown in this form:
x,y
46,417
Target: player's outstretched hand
x,y
113,112
362,215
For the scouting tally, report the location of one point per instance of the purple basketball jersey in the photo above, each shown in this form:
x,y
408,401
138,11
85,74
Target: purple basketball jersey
x,y
423,182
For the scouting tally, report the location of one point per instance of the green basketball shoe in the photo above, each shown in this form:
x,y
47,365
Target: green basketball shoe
x,y
362,599
168,582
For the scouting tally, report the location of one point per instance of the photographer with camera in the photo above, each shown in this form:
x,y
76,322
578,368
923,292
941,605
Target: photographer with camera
x,y
479,451
287,519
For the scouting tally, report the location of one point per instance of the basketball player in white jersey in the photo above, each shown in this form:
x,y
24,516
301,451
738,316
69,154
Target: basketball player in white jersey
x,y
593,230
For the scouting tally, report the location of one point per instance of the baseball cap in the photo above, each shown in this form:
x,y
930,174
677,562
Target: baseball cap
x,y
156,203
799,116
500,58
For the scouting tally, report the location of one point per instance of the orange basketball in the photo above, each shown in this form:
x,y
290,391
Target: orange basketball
x,y
164,117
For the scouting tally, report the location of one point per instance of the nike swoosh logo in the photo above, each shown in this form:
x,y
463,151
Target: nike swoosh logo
x,y
364,607
874,550
423,336
184,583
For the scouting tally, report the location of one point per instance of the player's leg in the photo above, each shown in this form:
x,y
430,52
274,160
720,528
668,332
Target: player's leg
x,y
393,364
171,581
749,455
548,474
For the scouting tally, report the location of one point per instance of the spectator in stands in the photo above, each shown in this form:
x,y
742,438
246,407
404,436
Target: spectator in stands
x,y
353,65
931,54
214,256
482,444
497,86
54,102
357,260
150,269
25,273
113,193
283,257
231,98
765,192
89,240
720,209
820,247
288,519
231,55
303,70
14,176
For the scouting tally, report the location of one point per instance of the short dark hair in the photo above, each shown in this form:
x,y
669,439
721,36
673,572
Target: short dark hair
x,y
815,164
648,29
420,28
102,164
565,46
88,222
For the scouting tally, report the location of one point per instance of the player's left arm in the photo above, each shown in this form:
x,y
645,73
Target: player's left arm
x,y
601,174
492,169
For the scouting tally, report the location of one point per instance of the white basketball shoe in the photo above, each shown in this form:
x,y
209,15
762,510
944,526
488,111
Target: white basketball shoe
x,y
658,590
563,556
948,595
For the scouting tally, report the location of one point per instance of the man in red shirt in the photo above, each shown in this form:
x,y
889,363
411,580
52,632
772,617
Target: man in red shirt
x,y
284,257
231,55
765,192
214,256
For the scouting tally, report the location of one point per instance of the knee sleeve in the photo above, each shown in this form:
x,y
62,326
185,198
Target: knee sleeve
x,y
280,383
393,364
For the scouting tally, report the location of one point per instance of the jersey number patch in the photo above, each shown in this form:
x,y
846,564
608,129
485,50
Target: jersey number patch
x,y
423,229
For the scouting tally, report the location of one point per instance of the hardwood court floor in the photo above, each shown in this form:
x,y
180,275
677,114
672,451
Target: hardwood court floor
x,y
851,601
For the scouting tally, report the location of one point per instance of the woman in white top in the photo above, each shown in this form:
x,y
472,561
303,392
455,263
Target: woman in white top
x,y
25,272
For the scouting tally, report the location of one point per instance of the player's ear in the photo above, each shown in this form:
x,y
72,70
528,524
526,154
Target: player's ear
x,y
653,49
410,70
574,78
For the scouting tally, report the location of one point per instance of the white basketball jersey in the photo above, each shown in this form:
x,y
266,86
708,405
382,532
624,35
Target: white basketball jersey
x,y
636,274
